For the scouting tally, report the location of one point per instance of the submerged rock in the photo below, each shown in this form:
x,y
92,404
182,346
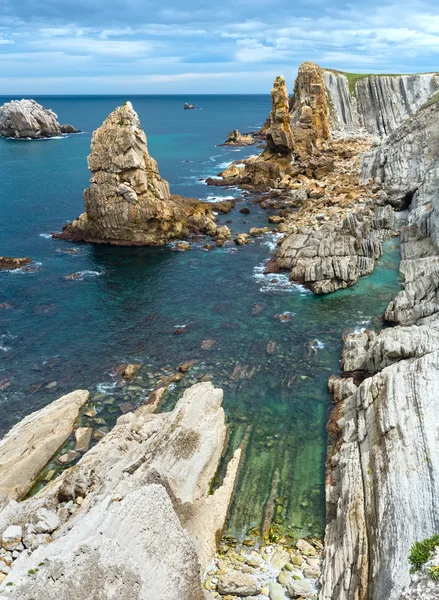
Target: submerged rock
x,y
128,203
28,119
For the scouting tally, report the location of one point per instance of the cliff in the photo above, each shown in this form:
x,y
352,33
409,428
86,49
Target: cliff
x,y
383,469
128,202
28,119
375,104
133,518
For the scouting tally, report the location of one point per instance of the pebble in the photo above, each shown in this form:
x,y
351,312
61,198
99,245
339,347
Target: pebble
x,y
68,457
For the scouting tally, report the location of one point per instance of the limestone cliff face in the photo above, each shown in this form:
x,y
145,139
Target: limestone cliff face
x,y
377,104
383,471
28,119
310,110
128,203
280,135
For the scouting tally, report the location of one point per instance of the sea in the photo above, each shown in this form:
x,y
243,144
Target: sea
x,y
270,344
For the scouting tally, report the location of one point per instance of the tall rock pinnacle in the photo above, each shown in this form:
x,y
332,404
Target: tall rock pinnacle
x,y
128,203
310,112
280,135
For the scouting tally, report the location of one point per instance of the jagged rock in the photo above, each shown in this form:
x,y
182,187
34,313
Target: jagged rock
x,y
142,523
331,258
235,138
280,135
7,263
310,112
11,537
128,203
30,444
28,119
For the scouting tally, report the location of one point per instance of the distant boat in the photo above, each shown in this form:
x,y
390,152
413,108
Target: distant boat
x,y
190,106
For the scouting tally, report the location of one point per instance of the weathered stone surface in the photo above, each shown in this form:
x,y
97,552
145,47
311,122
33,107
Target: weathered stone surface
x,y
28,119
83,438
138,519
128,203
335,257
238,584
33,441
378,104
310,112
8,263
280,135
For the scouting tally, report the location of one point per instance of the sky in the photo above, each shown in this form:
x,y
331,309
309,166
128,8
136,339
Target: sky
x,y
193,46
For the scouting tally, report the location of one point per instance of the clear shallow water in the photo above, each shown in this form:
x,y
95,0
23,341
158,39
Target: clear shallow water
x,y
57,335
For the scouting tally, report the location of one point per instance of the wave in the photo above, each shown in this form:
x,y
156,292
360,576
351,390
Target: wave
x,y
276,282
47,236
212,198
81,275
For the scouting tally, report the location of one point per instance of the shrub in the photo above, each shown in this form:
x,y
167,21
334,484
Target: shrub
x,y
421,552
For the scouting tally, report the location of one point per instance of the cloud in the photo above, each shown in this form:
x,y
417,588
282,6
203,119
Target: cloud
x,y
235,46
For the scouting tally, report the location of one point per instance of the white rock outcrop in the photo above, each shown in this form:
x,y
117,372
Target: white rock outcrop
x,y
28,119
136,520
30,444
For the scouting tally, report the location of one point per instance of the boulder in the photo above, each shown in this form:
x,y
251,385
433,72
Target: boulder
x,y
238,584
128,203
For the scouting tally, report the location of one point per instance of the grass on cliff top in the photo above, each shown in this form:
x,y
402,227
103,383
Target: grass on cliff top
x,y
354,77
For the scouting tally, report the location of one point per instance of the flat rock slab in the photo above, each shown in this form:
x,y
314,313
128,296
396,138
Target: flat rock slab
x,y
30,444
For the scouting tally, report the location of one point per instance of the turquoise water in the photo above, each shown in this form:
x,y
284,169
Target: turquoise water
x,y
57,334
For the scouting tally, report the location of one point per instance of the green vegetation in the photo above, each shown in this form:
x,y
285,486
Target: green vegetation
x,y
421,552
434,572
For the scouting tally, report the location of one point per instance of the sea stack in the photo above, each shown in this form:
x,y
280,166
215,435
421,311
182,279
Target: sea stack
x,y
310,110
280,135
26,119
128,203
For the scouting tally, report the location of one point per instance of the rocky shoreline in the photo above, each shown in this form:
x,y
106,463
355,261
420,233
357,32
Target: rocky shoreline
x,y
139,506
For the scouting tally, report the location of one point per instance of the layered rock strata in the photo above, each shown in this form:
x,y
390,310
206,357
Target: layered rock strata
x,y
275,162
128,203
335,257
383,470
28,119
134,517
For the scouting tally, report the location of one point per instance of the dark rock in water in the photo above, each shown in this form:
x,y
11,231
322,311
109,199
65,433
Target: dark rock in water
x,y
245,210
271,267
8,263
28,119
69,129
222,207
